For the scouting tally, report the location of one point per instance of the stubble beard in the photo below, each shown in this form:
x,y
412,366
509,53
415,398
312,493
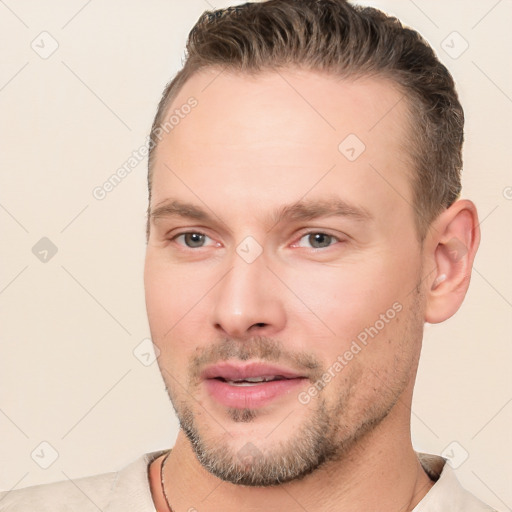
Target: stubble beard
x,y
315,443
326,435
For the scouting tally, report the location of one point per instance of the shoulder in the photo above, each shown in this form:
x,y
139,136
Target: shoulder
x,y
107,492
82,494
447,490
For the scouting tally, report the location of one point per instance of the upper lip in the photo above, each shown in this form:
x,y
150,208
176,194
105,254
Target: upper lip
x,y
231,371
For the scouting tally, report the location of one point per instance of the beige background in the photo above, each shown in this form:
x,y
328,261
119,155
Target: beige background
x,y
69,326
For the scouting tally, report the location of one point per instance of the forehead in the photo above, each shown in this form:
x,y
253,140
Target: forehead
x,y
293,131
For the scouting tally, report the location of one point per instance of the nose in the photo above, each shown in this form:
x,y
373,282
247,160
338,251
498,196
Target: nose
x,y
247,301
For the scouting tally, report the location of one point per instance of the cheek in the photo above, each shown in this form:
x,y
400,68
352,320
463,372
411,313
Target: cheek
x,y
177,306
173,295
362,301
170,293
348,295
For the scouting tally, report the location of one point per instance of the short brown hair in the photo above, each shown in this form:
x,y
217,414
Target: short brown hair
x,y
350,41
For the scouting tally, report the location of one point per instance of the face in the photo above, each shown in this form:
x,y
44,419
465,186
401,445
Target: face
x,y
283,269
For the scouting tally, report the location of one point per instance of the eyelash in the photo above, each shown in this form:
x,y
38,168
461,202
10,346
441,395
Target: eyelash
x,y
175,237
335,238
313,232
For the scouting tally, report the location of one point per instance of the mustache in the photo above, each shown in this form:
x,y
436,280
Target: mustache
x,y
257,347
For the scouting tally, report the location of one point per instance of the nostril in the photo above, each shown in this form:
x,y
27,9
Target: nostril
x,y
260,324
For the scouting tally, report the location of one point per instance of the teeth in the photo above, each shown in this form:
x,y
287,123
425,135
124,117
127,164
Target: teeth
x,y
249,381
241,383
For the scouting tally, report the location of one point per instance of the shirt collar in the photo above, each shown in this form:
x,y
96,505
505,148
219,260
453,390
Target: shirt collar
x,y
131,491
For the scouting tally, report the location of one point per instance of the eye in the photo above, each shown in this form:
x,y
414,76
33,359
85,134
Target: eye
x,y
317,240
192,239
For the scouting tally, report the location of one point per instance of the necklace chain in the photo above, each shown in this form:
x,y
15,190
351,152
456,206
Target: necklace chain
x,y
162,480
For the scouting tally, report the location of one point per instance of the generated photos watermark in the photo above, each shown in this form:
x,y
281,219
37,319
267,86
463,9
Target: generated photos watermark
x,y
100,192
356,346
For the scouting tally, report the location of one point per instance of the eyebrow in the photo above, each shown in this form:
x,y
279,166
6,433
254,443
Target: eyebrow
x,y
312,209
175,208
301,210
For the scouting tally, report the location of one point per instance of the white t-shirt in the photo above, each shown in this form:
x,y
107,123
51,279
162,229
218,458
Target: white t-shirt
x,y
128,491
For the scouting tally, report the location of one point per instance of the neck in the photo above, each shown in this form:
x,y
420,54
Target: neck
x,y
380,472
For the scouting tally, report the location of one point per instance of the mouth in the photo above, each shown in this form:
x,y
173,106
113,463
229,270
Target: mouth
x,y
250,385
251,381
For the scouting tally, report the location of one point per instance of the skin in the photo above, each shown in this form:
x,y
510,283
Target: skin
x,y
251,147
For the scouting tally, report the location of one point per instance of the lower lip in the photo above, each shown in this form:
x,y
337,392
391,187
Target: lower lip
x,y
250,397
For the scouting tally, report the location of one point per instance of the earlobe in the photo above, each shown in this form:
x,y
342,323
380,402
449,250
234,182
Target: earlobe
x,y
455,236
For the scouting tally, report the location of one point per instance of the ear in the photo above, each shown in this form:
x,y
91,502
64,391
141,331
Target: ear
x,y
451,245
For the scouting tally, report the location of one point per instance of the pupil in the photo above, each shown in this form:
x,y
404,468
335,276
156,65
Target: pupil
x,y
194,239
318,240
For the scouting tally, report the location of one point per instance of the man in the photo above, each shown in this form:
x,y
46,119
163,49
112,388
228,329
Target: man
x,y
303,225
